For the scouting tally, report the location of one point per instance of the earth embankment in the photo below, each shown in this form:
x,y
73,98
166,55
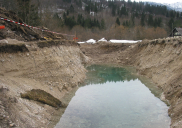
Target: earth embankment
x,y
53,66
159,60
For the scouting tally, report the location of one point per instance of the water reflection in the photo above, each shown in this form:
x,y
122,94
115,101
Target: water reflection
x,y
101,74
114,98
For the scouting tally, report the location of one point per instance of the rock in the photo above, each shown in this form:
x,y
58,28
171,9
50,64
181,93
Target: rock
x,y
4,41
2,60
12,125
36,112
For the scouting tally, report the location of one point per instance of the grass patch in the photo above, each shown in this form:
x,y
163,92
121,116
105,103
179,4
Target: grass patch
x,y
42,97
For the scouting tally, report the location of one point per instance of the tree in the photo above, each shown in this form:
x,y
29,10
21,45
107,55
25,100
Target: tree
x,y
150,20
102,25
23,9
171,23
71,9
113,10
34,18
123,11
132,19
167,14
70,22
117,21
9,4
177,14
67,1
143,19
95,8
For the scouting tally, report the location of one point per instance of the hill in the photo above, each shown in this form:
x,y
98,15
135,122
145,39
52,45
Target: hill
x,y
99,18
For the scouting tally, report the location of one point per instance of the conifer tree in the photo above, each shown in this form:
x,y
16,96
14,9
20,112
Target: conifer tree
x,y
143,19
23,9
102,24
117,21
71,9
150,20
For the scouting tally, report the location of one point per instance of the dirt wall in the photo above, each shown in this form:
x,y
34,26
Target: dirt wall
x,y
161,61
56,69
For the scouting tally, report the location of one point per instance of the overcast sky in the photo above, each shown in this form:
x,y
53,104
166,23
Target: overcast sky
x,y
160,1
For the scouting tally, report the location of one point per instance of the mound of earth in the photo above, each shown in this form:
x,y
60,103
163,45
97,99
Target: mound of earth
x,y
19,32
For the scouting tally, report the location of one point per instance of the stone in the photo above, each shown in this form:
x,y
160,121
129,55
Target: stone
x,y
36,112
4,41
12,125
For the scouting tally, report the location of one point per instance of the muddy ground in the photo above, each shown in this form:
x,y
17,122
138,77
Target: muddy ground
x,y
159,60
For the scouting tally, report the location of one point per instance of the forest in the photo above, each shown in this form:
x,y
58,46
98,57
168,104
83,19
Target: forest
x,y
97,19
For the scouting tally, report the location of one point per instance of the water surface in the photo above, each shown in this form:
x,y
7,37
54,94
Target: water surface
x,y
114,98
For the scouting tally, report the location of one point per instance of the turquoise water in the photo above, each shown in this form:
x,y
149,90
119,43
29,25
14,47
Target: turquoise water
x,y
114,98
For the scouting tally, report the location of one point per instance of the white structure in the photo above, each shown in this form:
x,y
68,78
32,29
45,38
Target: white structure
x,y
124,41
92,13
102,40
91,41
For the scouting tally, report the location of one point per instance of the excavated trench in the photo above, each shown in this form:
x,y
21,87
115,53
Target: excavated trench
x,y
115,97
160,60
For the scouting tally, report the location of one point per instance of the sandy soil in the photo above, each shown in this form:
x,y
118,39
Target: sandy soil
x,y
54,69
159,60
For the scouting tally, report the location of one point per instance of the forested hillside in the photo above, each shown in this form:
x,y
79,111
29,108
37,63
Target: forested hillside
x,y
98,18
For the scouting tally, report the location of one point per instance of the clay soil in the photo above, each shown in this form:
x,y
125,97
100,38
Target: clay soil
x,y
159,60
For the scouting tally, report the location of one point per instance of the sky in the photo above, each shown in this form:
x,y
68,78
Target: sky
x,y
160,1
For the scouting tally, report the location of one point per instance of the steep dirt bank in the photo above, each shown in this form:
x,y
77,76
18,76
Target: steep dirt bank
x,y
160,60
53,66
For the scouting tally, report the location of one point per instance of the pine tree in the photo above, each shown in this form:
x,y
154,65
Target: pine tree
x,y
113,10
171,23
117,21
177,14
133,19
143,19
150,20
34,18
23,9
71,9
67,1
95,8
102,25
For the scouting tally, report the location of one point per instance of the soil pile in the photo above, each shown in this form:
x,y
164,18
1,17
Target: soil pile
x,y
160,60
22,33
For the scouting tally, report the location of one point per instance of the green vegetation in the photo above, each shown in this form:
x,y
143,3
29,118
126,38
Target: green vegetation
x,y
117,21
99,18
